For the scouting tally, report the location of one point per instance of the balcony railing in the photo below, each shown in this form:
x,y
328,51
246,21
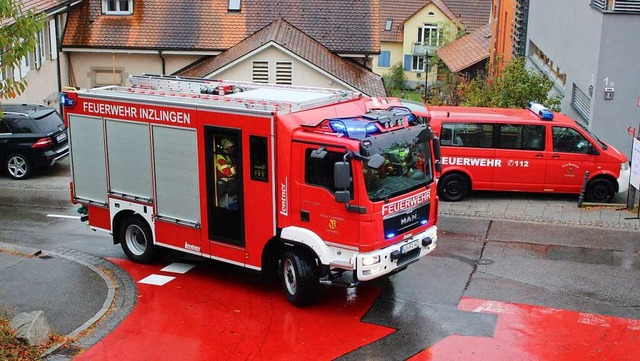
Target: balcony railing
x,y
617,6
422,49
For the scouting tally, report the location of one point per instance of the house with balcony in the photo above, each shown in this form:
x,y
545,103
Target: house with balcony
x,y
590,50
412,31
263,41
42,68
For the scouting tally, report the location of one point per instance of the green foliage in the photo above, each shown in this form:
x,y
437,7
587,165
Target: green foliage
x,y
514,87
395,78
17,38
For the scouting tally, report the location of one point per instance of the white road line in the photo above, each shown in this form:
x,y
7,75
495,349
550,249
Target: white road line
x,y
177,267
62,216
156,280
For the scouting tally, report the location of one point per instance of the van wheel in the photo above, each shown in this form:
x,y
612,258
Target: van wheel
x,y
18,166
600,191
453,187
300,278
136,240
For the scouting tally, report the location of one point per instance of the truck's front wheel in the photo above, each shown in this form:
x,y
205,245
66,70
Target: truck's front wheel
x,y
136,240
300,278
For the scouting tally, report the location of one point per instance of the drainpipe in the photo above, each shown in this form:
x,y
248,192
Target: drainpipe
x,y
164,63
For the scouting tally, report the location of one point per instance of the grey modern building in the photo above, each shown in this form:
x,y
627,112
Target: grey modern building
x,y
591,49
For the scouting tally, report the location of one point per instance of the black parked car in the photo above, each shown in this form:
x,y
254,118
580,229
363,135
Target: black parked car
x,y
31,137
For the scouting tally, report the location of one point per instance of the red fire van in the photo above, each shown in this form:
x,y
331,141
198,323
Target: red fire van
x,y
528,150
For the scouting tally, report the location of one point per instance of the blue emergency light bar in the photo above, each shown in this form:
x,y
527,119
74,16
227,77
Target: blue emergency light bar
x,y
353,128
66,101
541,111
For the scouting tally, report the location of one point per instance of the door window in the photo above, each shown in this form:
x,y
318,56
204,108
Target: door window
x,y
3,127
224,185
319,172
569,140
473,135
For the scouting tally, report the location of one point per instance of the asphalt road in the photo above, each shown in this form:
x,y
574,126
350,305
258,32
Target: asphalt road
x,y
593,271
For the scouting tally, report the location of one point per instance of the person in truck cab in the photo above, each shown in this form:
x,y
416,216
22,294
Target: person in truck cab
x,y
225,173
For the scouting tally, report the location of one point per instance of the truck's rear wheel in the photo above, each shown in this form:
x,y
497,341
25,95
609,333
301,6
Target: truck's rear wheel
x,y
300,278
600,191
453,187
136,240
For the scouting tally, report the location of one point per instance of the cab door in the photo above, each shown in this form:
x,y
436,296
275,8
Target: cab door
x,y
523,162
571,155
319,211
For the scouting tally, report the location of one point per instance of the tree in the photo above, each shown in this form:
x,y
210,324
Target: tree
x,y
514,87
394,79
18,31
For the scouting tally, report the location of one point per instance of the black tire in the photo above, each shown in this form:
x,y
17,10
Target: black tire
x,y
18,166
453,187
600,191
300,278
136,240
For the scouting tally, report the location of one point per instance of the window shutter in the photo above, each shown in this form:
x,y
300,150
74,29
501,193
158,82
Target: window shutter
x,y
53,40
384,59
407,62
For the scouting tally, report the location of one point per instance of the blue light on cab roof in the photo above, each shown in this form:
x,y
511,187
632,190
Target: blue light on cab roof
x,y
541,111
353,128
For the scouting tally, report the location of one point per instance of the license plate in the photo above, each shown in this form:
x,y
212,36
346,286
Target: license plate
x,y
409,247
60,137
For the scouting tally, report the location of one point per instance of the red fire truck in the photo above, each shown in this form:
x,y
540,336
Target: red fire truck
x,y
318,186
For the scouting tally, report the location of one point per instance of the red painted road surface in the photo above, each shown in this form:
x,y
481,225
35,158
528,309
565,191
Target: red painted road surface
x,y
205,315
528,333
216,316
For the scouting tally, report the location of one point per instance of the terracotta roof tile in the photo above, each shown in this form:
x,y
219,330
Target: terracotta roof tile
x,y
38,6
342,26
472,13
467,50
293,39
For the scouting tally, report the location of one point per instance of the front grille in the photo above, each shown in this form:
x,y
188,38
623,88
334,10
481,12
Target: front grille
x,y
406,221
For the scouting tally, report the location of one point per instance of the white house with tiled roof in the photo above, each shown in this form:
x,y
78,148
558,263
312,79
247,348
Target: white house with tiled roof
x,y
411,31
107,45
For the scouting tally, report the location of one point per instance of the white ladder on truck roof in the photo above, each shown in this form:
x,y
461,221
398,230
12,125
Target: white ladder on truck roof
x,y
283,98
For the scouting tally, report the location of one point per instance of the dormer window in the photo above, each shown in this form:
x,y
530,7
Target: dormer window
x,y
235,5
117,7
387,25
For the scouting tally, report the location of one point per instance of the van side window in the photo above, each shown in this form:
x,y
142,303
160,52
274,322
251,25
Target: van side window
x,y
473,135
569,140
518,136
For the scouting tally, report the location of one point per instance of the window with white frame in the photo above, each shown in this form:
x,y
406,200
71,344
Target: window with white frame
x,y
117,7
235,5
429,35
284,72
417,63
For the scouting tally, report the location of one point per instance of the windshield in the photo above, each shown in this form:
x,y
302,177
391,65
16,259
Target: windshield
x,y
602,144
407,163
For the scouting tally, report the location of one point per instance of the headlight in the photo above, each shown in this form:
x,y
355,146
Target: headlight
x,y
624,166
370,260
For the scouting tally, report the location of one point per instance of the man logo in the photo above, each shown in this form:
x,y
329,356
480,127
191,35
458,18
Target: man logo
x,y
332,224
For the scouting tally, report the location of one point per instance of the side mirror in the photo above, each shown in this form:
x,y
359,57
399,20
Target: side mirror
x,y
343,196
341,175
375,162
436,149
438,166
